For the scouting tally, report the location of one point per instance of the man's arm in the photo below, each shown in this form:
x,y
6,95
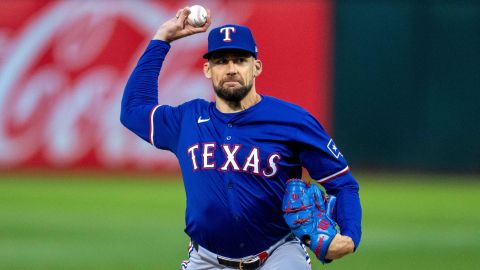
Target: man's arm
x,y
140,98
141,92
325,163
348,215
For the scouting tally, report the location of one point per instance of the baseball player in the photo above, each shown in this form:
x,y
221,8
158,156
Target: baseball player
x,y
236,156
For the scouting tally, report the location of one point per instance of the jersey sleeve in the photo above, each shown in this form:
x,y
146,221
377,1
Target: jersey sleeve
x,y
326,164
348,210
165,126
140,112
318,152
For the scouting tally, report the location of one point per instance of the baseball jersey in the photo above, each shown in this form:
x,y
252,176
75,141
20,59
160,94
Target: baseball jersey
x,y
235,165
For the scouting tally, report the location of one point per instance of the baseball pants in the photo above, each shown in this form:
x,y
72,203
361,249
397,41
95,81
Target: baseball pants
x,y
284,255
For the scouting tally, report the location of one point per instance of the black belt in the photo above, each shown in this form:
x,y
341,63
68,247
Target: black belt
x,y
242,265
252,264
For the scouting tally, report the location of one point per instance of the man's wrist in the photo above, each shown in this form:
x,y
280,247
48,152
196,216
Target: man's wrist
x,y
350,245
161,35
340,246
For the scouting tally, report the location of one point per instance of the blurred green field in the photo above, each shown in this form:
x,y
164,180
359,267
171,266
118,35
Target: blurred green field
x,y
91,221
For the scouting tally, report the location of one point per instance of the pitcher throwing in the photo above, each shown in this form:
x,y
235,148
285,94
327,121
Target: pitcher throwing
x,y
237,155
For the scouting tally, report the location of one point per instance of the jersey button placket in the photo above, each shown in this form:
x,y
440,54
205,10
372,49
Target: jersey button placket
x,y
228,131
232,199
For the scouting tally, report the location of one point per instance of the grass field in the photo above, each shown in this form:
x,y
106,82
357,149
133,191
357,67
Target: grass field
x,y
76,222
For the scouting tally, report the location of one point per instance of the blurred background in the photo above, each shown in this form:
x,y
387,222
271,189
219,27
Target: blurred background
x,y
396,83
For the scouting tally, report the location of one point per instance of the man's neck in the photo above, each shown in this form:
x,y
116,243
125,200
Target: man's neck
x,y
248,101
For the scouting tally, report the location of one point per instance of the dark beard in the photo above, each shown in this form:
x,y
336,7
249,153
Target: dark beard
x,y
235,95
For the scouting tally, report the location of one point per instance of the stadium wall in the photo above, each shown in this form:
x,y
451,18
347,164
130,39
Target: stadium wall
x,y
407,83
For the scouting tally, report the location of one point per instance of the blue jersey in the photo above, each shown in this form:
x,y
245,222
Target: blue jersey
x,y
235,165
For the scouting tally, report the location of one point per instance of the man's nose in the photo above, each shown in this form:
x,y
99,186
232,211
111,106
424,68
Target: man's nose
x,y
232,68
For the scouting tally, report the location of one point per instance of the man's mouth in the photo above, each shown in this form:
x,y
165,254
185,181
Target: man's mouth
x,y
231,83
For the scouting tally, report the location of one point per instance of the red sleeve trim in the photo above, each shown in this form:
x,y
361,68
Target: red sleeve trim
x,y
330,177
151,124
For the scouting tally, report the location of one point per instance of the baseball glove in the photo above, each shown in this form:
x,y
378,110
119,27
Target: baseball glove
x,y
307,211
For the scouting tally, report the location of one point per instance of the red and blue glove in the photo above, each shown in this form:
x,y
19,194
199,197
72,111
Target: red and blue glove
x,y
308,211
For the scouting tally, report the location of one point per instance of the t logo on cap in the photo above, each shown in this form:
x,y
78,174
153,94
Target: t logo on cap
x,y
227,33
221,38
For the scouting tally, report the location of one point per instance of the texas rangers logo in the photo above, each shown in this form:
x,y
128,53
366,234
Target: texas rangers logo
x,y
334,149
227,31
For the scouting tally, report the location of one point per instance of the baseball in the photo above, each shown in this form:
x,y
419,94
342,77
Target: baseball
x,y
197,16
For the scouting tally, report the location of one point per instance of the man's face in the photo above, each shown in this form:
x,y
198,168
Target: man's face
x,y
232,74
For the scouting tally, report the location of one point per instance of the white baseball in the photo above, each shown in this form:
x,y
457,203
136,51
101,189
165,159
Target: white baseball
x,y
197,16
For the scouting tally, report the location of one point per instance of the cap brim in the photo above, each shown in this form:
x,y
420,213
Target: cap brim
x,y
229,48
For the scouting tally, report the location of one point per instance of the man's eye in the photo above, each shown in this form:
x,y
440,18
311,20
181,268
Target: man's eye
x,y
240,60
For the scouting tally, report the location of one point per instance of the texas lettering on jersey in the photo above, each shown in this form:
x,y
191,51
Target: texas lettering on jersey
x,y
203,156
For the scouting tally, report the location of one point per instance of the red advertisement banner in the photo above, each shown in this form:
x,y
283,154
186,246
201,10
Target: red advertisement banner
x,y
63,66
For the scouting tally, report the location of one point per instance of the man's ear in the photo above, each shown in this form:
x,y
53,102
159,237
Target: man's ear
x,y
257,68
207,71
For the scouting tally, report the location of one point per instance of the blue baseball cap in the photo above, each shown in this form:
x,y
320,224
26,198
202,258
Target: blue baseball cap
x,y
231,36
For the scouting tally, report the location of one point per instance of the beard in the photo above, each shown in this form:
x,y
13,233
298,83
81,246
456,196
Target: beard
x,y
232,94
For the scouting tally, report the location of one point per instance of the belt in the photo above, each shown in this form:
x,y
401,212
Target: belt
x,y
251,264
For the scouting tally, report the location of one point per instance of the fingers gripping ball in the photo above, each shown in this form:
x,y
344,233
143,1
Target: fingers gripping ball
x,y
307,211
197,16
